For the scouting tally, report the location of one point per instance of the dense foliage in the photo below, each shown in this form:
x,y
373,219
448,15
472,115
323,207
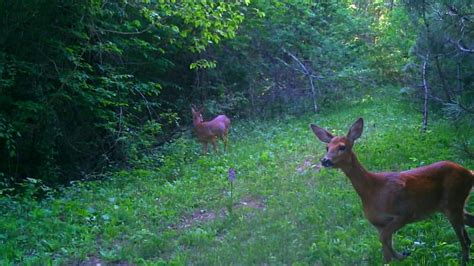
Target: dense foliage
x,y
445,42
87,83
295,55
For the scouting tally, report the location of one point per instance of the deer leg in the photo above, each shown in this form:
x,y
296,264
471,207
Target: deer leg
x,y
214,144
225,140
456,218
468,241
204,147
385,234
468,220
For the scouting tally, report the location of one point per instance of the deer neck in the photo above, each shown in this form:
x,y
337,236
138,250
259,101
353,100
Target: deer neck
x,y
362,180
197,122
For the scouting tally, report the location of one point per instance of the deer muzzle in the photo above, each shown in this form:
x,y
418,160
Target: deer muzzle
x,y
326,162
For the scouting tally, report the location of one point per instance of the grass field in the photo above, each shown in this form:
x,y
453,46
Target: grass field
x,y
283,208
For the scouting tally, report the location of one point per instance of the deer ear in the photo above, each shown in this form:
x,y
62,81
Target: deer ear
x,y
322,134
356,130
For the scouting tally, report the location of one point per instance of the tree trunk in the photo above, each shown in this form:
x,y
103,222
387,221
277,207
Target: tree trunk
x,y
425,102
313,92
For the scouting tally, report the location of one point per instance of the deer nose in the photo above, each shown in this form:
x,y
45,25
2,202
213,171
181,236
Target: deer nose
x,y
326,162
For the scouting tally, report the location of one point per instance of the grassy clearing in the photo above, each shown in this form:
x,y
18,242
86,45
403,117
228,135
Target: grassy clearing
x,y
285,210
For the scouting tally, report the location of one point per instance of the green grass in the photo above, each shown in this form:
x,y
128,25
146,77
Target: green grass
x,y
285,212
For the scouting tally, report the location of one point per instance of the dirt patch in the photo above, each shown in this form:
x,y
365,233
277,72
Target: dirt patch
x,y
99,262
308,164
200,216
204,216
251,202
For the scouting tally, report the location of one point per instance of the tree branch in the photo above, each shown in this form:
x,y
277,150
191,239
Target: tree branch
x,y
288,65
306,72
463,48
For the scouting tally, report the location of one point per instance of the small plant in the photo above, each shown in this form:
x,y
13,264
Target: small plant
x,y
231,176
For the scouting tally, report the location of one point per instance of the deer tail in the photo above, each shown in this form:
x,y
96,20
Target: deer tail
x,y
469,218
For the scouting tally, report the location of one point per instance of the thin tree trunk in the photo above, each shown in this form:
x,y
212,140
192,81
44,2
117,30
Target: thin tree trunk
x,y
313,92
425,102
423,73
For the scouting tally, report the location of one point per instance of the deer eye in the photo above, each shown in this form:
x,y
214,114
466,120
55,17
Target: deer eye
x,y
342,148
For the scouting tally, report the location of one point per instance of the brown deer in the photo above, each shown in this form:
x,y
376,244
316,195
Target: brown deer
x,y
392,200
210,131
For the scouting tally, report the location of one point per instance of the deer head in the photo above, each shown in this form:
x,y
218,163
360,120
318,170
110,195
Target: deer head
x,y
339,149
197,114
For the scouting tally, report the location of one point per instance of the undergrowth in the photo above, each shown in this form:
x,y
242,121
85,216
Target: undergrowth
x,y
284,209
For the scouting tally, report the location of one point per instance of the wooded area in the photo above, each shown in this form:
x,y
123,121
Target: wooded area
x,y
89,85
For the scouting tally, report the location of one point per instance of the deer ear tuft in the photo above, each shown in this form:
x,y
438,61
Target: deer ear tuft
x,y
322,134
356,130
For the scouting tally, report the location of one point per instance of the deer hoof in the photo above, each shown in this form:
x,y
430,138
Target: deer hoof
x,y
402,256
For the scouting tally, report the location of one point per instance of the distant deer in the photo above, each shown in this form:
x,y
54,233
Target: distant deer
x,y
210,131
392,200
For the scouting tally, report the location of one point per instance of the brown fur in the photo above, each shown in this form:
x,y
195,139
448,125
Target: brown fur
x,y
392,200
210,131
